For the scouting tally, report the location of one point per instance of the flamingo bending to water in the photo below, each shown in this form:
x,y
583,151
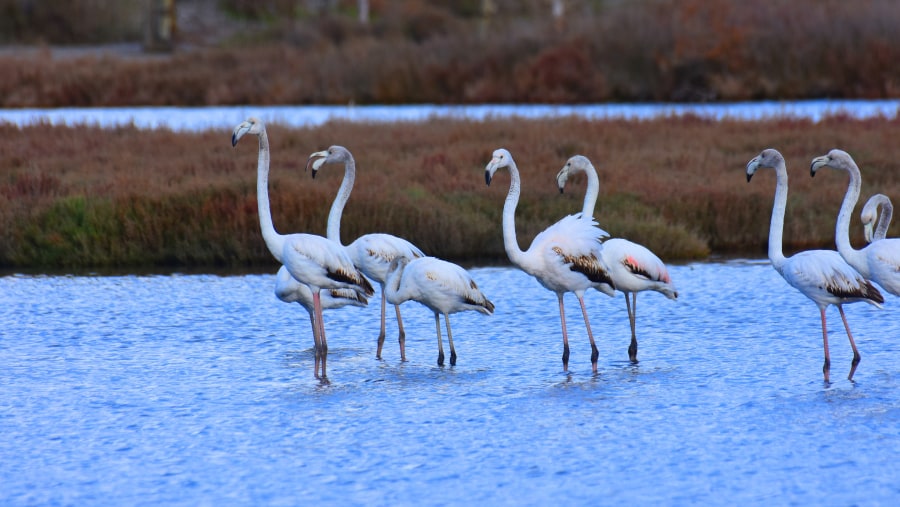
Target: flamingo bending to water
x,y
371,253
632,267
821,275
870,213
563,258
442,286
311,260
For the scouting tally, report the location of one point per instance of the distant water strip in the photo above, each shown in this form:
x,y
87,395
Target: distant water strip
x,y
226,117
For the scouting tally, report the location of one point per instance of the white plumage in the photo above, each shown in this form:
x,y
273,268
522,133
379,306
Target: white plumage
x,y
880,260
870,214
442,286
311,260
371,253
821,275
563,258
289,290
632,267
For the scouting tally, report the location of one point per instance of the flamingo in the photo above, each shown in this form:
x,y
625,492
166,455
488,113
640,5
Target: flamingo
x,y
870,213
563,258
821,275
879,261
289,290
632,267
311,260
371,253
442,286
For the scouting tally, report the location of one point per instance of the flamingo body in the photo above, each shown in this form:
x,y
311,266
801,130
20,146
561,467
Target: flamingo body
x,y
878,261
821,275
371,253
441,286
311,260
563,258
632,267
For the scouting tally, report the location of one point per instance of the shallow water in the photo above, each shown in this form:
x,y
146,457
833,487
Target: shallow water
x,y
226,117
198,390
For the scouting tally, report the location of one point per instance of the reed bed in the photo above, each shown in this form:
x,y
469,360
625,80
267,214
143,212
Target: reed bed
x,y
85,197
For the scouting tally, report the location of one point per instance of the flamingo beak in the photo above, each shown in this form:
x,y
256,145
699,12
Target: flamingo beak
x,y
320,157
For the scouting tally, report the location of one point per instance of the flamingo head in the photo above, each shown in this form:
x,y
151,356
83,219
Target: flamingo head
x,y
836,159
500,158
333,154
577,163
768,158
249,126
870,214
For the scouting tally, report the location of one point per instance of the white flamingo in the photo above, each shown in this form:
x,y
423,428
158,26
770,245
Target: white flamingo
x,y
879,261
563,258
821,275
632,267
289,290
312,260
371,253
870,213
442,286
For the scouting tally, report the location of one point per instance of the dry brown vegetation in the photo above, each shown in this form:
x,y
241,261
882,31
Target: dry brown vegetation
x,y
87,197
444,52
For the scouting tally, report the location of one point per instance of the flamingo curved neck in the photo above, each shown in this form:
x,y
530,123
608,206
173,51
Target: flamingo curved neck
x,y
510,243
392,287
884,219
842,230
274,241
337,207
776,227
592,192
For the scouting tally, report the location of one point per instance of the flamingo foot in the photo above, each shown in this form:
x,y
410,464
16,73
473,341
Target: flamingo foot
x,y
402,340
826,369
452,358
853,365
595,354
440,360
565,357
380,345
632,351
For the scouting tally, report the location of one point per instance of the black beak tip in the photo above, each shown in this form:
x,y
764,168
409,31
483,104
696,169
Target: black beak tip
x,y
314,171
487,178
749,175
233,140
560,190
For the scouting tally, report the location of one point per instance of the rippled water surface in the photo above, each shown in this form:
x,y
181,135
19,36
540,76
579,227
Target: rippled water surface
x,y
199,390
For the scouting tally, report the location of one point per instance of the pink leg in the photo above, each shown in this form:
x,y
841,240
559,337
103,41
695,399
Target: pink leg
x,y
402,337
856,356
826,369
594,352
315,331
381,333
562,316
450,339
323,344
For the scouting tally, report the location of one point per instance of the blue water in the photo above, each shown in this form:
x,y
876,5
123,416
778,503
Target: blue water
x,y
226,117
199,390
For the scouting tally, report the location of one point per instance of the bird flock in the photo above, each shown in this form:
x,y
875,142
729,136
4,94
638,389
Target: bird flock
x,y
571,255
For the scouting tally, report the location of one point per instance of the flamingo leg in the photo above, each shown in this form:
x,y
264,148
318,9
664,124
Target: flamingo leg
x,y
826,368
437,323
381,333
323,343
402,337
562,316
856,356
450,339
632,319
315,331
594,352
